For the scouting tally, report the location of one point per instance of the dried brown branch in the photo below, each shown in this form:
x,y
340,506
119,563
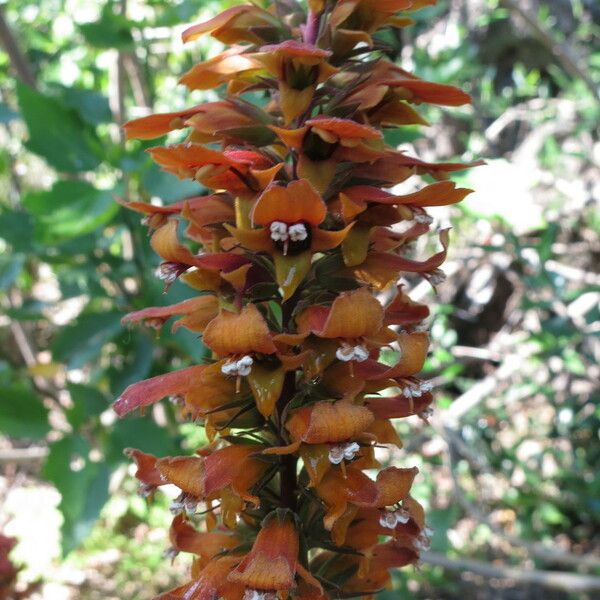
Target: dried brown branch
x,y
535,549
23,455
563,53
18,60
570,582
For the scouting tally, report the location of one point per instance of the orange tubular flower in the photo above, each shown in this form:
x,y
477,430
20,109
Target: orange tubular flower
x,y
324,142
298,68
272,564
290,217
295,253
231,66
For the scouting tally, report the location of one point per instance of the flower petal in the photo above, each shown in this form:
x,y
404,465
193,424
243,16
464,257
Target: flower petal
x,y
154,126
272,561
208,304
245,332
324,239
352,315
185,537
397,407
186,472
146,392
295,203
329,422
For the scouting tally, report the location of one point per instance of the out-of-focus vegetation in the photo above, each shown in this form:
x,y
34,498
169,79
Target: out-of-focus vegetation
x,y
510,460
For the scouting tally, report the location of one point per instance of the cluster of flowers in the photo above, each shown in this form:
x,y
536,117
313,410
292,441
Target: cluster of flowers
x,y
298,238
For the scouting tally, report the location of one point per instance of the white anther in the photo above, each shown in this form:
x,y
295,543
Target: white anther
x,y
229,368
168,271
426,386
245,361
259,595
345,353
388,520
351,450
189,506
436,277
402,516
343,452
238,368
336,455
170,553
426,414
297,232
407,392
360,353
145,490
279,231
423,218
244,370
416,392
427,531
176,506
422,542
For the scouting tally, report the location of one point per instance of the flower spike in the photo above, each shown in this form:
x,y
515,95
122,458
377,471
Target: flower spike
x,y
293,250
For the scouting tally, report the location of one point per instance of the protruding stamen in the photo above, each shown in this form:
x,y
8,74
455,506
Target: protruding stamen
x,y
238,368
422,542
245,365
402,516
347,353
341,452
259,595
426,386
388,520
436,277
297,232
426,414
279,231
351,450
336,455
171,553
360,353
169,271
423,218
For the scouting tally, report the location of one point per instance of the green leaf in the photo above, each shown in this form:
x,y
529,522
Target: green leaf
x,y
82,341
91,106
137,349
10,269
141,433
71,208
22,414
166,186
110,31
57,133
87,402
16,228
83,486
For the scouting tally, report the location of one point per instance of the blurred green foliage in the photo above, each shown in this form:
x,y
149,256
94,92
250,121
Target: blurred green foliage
x,y
73,262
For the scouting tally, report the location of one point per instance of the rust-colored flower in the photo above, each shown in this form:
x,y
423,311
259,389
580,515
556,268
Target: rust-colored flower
x,y
294,247
236,24
290,217
298,68
273,562
324,142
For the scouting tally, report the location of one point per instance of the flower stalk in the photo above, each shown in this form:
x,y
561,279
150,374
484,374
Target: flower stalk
x,y
297,233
